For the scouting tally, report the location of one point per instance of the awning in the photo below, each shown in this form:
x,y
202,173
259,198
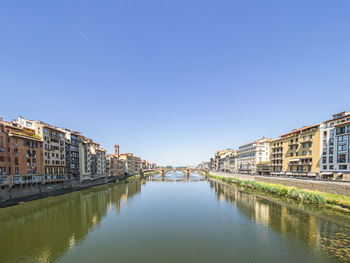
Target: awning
x,y
294,160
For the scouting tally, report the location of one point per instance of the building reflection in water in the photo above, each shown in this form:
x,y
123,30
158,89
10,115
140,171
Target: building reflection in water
x,y
320,230
44,229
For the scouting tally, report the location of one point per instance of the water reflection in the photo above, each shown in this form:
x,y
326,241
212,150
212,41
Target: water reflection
x,y
177,177
325,233
41,231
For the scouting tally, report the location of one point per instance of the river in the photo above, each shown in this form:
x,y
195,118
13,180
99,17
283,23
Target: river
x,y
170,219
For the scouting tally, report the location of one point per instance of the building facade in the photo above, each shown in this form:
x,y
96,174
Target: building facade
x,y
335,147
72,141
21,155
53,138
249,155
276,157
301,151
132,163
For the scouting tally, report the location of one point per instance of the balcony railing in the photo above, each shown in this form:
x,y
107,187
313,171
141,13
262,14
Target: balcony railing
x,y
308,139
277,152
4,180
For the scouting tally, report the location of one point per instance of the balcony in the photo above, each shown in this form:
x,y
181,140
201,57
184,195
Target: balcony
x,y
293,143
276,164
17,180
277,152
305,163
4,180
276,158
308,139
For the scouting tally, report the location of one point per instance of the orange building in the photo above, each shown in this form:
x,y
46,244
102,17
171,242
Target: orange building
x,y
21,154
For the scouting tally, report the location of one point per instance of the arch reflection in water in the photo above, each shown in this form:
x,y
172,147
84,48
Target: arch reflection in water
x,y
177,176
320,230
43,230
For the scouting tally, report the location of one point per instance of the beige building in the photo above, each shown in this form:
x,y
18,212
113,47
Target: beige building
x,y
249,155
132,163
53,147
115,166
92,160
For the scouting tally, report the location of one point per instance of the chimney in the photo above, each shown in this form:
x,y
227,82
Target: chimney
x,y
116,147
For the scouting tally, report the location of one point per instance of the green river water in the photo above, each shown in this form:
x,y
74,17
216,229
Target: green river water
x,y
170,219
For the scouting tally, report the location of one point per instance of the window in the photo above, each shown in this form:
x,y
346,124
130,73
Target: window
x,y
332,133
324,160
304,145
343,167
324,167
310,152
325,133
16,161
340,130
310,144
331,150
296,154
16,170
330,159
342,148
304,153
331,167
331,141
291,154
341,158
342,138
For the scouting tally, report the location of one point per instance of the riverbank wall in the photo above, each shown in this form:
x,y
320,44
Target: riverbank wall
x,y
332,187
27,192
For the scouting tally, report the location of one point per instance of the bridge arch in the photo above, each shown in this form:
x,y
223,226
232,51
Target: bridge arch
x,y
186,171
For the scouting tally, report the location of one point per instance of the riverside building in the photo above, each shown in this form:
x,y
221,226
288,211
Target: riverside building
x,y
115,167
21,155
249,155
335,147
54,148
72,141
301,152
132,163
92,160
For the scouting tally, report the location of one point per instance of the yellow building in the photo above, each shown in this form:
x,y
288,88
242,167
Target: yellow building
x,y
276,156
300,152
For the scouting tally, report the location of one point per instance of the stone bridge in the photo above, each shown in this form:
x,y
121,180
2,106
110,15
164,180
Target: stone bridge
x,y
186,171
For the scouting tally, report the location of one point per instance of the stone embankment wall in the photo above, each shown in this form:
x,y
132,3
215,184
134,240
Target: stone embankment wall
x,y
26,192
341,188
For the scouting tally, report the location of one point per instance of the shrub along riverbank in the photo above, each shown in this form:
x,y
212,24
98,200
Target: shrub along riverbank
x,y
333,201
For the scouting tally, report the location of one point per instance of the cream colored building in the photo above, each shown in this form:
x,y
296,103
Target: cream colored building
x,y
249,155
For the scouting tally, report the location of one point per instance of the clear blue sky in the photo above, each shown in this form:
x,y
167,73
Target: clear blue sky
x,y
173,81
